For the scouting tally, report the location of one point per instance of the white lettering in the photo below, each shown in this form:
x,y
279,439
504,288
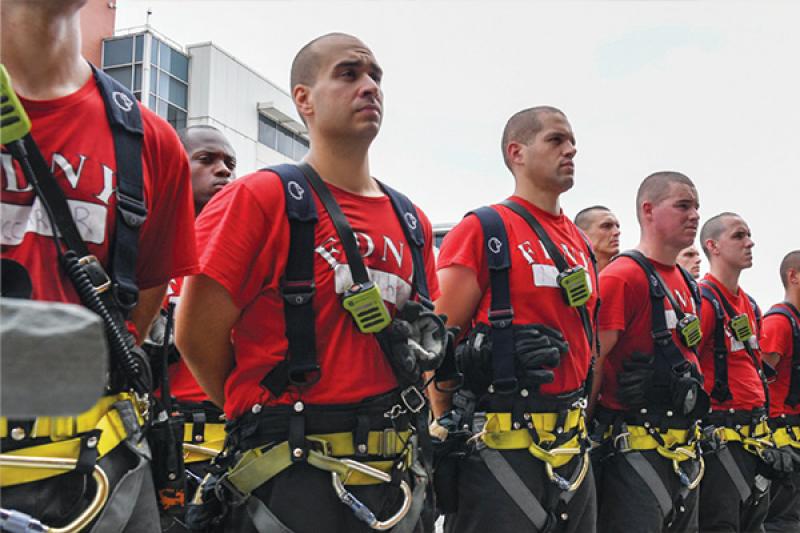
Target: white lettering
x,y
370,245
389,246
327,251
527,251
108,185
12,182
68,169
394,289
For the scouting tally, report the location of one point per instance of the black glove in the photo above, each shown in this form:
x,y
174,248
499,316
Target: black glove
x,y
538,348
474,359
778,463
636,379
414,342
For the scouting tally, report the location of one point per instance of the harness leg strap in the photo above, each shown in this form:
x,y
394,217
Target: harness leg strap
x,y
735,473
515,487
263,519
651,478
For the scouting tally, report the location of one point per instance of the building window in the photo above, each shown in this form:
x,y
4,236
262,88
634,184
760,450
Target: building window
x,y
281,139
169,88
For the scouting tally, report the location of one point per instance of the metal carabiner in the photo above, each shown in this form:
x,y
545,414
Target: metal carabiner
x,y
691,485
361,511
561,482
58,463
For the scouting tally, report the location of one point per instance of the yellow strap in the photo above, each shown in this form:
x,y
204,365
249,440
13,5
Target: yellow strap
x,y
753,440
675,442
499,435
784,438
210,446
112,433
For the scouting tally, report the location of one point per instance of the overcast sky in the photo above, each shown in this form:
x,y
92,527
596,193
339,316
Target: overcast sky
x,y
706,88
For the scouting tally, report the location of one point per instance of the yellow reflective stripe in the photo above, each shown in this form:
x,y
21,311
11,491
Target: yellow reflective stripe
x,y
783,438
499,435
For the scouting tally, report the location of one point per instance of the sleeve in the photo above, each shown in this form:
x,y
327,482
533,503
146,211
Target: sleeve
x,y
166,240
239,239
614,293
428,256
463,246
776,335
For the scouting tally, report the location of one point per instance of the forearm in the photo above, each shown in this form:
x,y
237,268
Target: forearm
x,y
149,303
441,401
210,363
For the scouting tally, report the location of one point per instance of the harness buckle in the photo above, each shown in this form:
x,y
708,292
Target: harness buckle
x,y
413,399
133,210
100,279
662,337
501,318
297,292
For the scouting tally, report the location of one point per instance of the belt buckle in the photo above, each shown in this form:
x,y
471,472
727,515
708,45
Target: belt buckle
x,y
413,399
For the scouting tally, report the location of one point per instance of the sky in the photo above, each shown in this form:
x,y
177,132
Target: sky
x,y
707,88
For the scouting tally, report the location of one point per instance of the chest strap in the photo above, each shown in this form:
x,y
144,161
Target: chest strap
x,y
791,313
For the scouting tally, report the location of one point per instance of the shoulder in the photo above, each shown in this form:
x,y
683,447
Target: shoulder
x,y
158,134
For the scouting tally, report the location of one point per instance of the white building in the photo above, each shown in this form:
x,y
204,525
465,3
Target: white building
x,y
203,84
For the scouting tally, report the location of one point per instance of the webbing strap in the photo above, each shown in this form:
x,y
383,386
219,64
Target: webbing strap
x,y
300,367
515,487
713,293
721,391
651,478
501,314
793,316
557,257
127,131
734,472
263,519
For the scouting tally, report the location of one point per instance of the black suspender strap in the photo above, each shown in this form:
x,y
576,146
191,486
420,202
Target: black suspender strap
x,y
557,257
793,316
712,292
300,367
721,391
662,336
412,228
127,131
501,314
343,229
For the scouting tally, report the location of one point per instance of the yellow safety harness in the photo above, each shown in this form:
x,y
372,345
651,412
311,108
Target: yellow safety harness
x,y
65,435
205,446
787,436
753,439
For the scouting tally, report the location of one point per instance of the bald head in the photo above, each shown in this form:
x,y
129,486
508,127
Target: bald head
x,y
308,60
713,229
790,263
586,217
656,187
523,126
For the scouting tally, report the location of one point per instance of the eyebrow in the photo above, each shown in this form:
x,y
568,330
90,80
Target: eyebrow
x,y
356,63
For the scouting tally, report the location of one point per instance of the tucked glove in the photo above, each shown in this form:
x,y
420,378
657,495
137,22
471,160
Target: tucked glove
x,y
635,380
778,463
538,349
414,342
474,359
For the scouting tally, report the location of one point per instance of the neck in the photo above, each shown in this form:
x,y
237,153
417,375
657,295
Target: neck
x,y
793,297
602,261
545,200
41,48
343,165
657,251
727,275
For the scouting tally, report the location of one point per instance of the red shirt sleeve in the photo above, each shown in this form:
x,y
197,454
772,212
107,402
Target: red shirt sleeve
x,y
428,257
166,240
463,246
776,335
615,302
236,231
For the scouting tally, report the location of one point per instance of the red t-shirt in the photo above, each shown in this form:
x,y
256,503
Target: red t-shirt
x,y
244,237
182,384
626,308
776,337
74,137
535,296
743,380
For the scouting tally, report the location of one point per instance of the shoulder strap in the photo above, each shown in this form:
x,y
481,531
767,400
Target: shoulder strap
x,y
300,367
721,391
693,288
556,256
409,220
127,130
501,314
756,312
662,337
789,311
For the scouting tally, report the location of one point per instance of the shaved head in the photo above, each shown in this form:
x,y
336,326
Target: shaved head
x,y
656,187
713,228
523,126
585,217
790,262
307,62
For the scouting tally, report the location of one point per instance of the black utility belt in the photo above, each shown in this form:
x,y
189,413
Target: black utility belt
x,y
735,417
531,402
658,418
213,414
784,420
272,423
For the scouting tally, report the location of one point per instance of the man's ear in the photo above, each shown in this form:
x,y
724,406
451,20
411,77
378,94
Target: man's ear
x,y
514,153
301,94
